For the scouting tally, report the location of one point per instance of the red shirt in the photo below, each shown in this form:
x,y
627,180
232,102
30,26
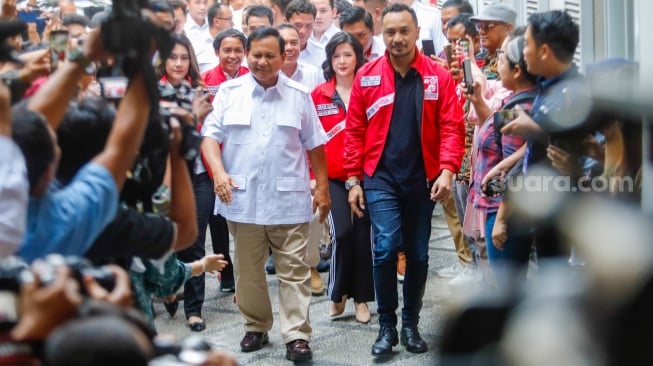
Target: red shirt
x,y
332,114
214,77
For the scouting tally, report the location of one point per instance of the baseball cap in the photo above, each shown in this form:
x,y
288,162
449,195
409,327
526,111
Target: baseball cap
x,y
497,13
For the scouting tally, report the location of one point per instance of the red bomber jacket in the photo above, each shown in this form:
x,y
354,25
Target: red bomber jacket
x,y
370,111
214,77
332,115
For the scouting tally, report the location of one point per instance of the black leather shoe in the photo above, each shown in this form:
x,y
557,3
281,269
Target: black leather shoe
x,y
197,326
385,341
298,350
412,340
253,341
171,307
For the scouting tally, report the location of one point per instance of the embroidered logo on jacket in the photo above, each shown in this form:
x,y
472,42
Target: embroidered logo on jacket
x,y
326,109
370,80
430,88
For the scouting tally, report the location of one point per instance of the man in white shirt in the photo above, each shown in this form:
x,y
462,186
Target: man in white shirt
x,y
219,18
307,75
301,14
358,22
197,31
268,127
375,8
430,23
324,28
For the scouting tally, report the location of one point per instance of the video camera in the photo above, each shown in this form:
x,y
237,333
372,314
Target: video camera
x,y
14,272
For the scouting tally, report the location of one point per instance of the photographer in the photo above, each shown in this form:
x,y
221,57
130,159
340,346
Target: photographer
x,y
13,185
52,226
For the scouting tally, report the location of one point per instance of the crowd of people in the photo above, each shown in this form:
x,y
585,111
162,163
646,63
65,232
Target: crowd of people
x,y
316,135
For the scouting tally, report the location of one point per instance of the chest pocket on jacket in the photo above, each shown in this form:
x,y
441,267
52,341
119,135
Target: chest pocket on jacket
x,y
287,130
238,129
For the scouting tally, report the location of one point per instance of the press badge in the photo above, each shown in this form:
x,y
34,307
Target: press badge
x,y
430,88
371,80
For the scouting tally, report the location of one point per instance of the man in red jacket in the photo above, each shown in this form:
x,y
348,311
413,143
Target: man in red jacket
x,y
405,135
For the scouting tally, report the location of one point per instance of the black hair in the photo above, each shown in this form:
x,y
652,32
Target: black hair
x,y
259,11
342,5
463,6
194,69
330,49
82,134
464,19
100,341
557,30
229,33
398,8
71,19
159,6
265,32
517,36
30,132
300,7
214,11
356,14
177,4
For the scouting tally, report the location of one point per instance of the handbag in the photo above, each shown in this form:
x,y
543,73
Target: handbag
x,y
474,222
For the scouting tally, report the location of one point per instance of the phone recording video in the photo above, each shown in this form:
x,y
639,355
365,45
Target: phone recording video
x,y
428,48
503,117
448,51
58,44
467,75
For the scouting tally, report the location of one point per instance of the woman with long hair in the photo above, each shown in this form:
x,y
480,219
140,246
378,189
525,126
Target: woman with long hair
x,y
179,69
350,275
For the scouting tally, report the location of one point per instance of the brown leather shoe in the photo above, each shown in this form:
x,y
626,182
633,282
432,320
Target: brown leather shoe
x,y
298,350
253,341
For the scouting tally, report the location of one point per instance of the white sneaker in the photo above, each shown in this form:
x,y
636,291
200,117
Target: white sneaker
x,y
451,271
468,276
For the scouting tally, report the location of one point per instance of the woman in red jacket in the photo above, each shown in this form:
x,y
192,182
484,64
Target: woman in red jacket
x,y
350,274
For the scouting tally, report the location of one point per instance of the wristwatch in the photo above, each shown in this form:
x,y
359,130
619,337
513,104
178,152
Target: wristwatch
x,y
350,183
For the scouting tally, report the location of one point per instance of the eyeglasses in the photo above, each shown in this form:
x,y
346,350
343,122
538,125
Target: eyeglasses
x,y
486,27
227,19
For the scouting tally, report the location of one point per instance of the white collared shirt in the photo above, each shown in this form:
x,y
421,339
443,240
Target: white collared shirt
x,y
430,24
378,47
326,36
314,54
308,75
202,42
265,135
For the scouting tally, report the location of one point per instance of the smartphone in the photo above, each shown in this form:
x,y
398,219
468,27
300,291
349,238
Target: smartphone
x,y
58,44
428,48
448,51
467,75
502,117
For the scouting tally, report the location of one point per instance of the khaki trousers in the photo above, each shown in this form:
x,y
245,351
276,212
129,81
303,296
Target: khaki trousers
x,y
459,241
289,249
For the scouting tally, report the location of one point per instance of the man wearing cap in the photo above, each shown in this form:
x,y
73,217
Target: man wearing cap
x,y
494,24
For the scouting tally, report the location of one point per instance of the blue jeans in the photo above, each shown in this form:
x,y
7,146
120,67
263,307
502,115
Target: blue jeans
x,y
399,223
516,248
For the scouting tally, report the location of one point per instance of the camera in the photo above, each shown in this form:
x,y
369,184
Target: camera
x,y
191,351
496,186
181,97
